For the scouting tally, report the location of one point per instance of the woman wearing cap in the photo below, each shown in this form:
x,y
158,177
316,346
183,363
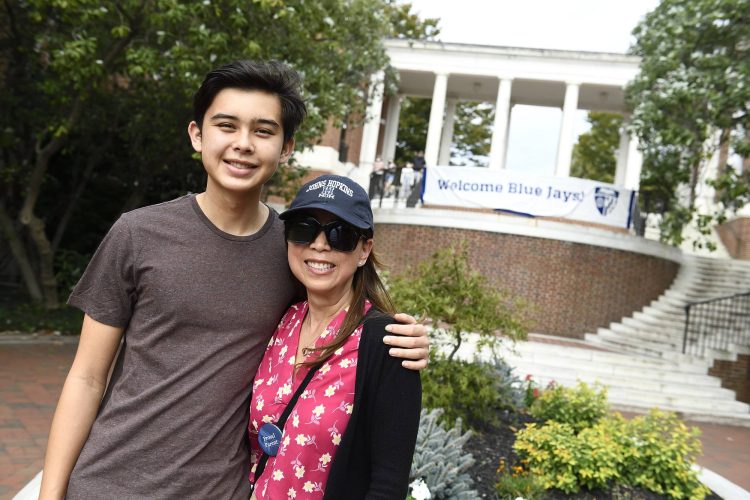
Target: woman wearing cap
x,y
332,415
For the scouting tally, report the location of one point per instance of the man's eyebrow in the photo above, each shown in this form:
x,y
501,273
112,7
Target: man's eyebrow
x,y
223,116
263,121
268,121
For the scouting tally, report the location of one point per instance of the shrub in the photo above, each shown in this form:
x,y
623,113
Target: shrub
x,y
457,299
30,318
655,452
439,458
579,407
566,460
69,267
476,392
660,452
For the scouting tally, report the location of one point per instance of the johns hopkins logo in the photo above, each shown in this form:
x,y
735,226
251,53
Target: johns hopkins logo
x,y
328,188
606,199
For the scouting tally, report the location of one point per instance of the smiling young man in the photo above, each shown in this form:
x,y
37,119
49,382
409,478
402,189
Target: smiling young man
x,y
179,301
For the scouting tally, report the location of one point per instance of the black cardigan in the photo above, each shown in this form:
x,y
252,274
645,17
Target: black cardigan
x,y
374,457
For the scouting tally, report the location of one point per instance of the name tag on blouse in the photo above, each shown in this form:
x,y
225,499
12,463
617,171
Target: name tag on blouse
x,y
269,439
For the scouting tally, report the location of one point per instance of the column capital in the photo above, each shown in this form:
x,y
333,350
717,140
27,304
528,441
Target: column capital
x,y
505,77
571,83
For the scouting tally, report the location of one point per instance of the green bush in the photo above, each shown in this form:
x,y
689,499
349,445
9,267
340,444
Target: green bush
x,y
659,455
29,318
566,460
475,392
69,267
580,407
654,452
458,299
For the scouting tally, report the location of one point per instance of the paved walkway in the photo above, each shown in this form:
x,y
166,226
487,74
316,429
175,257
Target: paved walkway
x,y
32,374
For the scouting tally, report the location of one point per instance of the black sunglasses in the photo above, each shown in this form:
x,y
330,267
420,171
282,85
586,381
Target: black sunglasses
x,y
340,235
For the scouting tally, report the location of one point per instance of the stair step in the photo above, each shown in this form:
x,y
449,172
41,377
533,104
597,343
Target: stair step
x,y
578,355
665,382
647,334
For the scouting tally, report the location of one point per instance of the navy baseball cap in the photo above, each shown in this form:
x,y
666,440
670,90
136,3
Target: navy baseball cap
x,y
336,194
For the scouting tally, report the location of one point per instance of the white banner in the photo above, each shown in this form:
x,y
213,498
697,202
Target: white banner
x,y
542,196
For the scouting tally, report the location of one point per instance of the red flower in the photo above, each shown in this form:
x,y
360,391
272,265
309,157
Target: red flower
x,y
536,392
528,377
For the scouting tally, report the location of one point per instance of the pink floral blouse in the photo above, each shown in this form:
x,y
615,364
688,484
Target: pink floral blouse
x,y
313,430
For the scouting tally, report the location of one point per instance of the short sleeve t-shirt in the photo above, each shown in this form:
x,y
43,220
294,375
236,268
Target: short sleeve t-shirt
x,y
315,426
198,306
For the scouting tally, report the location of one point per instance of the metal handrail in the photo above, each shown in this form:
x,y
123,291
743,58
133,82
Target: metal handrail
x,y
716,323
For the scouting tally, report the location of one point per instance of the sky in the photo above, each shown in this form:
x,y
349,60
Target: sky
x,y
590,25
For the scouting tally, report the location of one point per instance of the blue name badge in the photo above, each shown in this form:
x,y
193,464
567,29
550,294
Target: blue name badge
x,y
269,439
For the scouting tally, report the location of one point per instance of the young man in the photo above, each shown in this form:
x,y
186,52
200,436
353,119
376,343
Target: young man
x,y
193,288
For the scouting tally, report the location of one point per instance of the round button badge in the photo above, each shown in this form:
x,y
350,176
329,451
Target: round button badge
x,y
269,439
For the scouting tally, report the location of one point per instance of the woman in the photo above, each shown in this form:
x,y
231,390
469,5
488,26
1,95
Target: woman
x,y
350,432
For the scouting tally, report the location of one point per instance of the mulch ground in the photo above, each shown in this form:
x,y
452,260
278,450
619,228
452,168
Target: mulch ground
x,y
492,445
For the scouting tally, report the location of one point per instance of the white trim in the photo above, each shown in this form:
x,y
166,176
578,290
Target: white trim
x,y
720,485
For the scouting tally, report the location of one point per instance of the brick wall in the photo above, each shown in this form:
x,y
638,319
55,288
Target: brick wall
x,y
734,375
735,235
572,288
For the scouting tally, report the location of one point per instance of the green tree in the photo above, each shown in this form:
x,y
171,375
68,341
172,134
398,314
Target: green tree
x,y
96,96
403,23
472,133
594,155
412,128
691,100
458,299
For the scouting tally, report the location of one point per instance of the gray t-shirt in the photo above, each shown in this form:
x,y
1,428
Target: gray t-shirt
x,y
198,306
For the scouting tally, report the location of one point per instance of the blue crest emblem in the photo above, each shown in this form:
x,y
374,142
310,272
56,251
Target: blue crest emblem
x,y
605,199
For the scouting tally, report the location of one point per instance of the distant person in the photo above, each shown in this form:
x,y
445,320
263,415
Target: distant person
x,y
352,411
377,179
407,180
180,300
419,162
390,178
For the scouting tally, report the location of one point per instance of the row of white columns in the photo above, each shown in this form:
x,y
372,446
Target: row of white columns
x,y
440,130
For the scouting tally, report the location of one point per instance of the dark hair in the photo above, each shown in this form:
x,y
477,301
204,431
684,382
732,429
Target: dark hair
x,y
366,285
269,76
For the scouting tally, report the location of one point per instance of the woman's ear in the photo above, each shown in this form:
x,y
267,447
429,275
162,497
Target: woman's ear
x,y
365,252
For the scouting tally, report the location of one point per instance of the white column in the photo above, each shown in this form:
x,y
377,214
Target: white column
x,y
391,128
634,165
567,130
435,126
371,128
500,129
444,158
622,157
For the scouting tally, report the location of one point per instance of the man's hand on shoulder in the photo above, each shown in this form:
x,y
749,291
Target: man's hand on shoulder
x,y
409,342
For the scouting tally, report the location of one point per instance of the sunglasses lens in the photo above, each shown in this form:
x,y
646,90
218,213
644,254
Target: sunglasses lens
x,y
302,231
342,237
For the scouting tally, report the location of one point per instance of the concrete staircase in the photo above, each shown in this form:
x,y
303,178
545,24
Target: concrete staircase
x,y
640,360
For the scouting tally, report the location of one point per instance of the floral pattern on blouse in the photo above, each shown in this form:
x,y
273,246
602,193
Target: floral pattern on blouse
x,y
313,431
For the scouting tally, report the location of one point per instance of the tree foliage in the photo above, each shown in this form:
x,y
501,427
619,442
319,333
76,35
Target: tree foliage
x,y
458,299
412,128
690,101
96,97
594,155
472,133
